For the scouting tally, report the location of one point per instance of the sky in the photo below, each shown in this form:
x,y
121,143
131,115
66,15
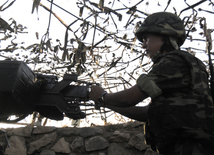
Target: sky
x,y
38,22
21,12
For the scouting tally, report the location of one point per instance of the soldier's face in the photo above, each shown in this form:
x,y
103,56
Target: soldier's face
x,y
152,44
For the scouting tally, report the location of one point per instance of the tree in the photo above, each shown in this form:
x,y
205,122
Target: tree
x,y
98,42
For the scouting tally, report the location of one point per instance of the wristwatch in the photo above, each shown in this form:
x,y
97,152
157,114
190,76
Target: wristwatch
x,y
101,98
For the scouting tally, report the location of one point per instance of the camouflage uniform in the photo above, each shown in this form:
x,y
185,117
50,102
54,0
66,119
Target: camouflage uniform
x,y
181,114
181,104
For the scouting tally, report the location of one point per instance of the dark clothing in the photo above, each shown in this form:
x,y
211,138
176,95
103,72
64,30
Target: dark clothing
x,y
181,101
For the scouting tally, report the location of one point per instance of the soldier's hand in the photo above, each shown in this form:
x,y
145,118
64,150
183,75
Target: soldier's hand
x,y
95,92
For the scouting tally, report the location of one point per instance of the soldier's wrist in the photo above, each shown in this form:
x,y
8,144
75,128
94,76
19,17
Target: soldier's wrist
x,y
101,99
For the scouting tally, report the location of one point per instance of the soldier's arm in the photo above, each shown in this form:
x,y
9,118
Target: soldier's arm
x,y
136,112
123,102
126,98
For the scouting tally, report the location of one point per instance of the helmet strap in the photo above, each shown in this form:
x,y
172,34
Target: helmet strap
x,y
170,44
173,42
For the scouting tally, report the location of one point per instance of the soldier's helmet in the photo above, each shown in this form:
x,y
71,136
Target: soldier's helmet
x,y
164,23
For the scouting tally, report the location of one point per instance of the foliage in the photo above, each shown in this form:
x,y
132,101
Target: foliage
x,y
99,42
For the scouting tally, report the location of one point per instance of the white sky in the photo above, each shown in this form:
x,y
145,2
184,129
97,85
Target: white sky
x,y
23,16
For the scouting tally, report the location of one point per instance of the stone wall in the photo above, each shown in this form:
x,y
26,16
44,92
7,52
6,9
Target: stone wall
x,y
120,139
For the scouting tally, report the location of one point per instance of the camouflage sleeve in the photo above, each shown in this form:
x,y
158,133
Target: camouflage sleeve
x,y
169,75
148,86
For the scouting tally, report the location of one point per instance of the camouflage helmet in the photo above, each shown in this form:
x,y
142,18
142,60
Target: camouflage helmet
x,y
163,23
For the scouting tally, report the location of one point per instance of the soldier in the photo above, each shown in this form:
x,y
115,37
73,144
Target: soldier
x,y
179,119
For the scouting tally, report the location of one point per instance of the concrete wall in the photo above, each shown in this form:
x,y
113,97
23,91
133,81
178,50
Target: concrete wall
x,y
120,139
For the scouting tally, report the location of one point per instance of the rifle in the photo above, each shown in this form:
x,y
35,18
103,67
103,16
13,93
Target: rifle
x,y
22,92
